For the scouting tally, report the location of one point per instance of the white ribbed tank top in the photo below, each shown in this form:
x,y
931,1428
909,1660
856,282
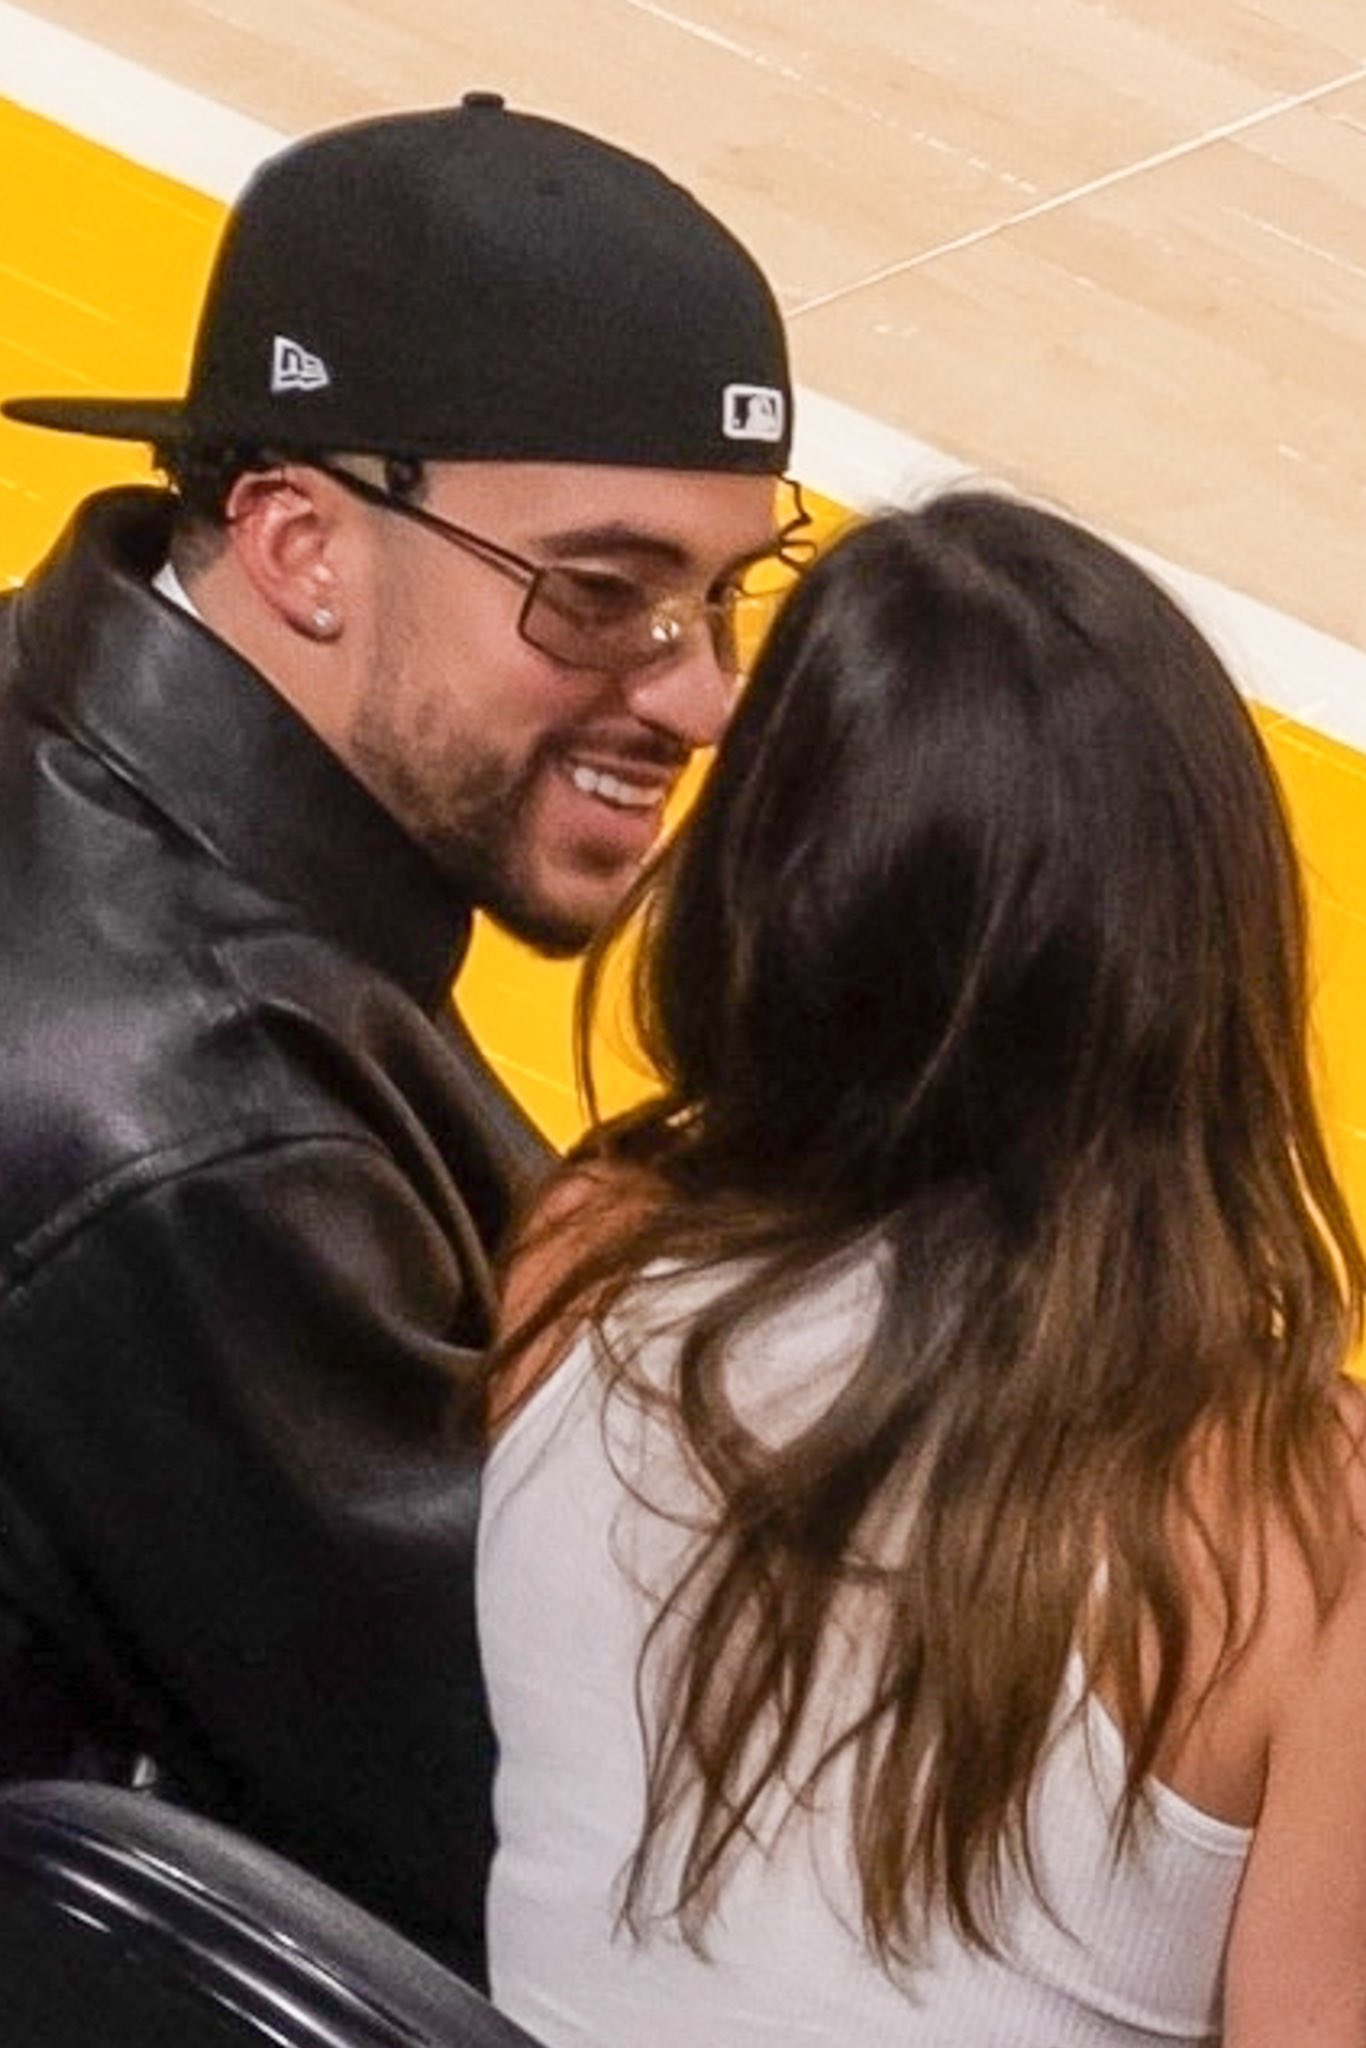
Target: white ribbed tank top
x,y
1130,1959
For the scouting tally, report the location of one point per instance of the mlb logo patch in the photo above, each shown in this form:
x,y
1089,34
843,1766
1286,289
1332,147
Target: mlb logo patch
x,y
752,412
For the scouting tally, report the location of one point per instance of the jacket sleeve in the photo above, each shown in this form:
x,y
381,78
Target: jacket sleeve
x,y
229,1403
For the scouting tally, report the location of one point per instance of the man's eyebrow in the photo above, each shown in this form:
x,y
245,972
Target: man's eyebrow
x,y
615,537
618,537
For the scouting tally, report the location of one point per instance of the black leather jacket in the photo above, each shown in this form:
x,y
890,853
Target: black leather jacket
x,y
250,1167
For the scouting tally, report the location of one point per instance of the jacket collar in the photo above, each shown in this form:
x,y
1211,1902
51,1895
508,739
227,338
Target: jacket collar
x,y
204,738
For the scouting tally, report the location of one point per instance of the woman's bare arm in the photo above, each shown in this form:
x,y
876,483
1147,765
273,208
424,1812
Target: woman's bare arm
x,y
1296,1973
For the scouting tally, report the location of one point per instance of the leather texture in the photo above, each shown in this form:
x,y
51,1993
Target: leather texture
x,y
251,1172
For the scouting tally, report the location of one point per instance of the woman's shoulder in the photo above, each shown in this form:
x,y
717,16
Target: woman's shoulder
x,y
1295,1969
1283,1523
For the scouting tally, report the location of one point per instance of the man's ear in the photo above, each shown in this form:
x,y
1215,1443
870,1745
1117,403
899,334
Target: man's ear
x,y
283,537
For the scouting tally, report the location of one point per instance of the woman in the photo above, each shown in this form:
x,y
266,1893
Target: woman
x,y
922,1570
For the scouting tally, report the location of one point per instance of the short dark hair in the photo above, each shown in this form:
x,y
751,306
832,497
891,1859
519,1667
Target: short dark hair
x,y
203,476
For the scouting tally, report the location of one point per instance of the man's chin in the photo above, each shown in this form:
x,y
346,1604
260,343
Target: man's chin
x,y
553,938
558,931
555,907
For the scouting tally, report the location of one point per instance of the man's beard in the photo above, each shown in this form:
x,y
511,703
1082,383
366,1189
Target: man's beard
x,y
480,859
475,837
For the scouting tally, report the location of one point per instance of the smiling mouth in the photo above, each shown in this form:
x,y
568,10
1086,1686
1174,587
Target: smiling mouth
x,y
618,790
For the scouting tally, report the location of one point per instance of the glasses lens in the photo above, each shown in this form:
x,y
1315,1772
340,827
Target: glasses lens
x,y
596,620
591,619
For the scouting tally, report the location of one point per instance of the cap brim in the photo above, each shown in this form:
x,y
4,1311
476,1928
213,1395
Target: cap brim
x,y
156,420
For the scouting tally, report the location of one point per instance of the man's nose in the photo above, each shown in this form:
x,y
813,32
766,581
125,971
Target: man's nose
x,y
690,695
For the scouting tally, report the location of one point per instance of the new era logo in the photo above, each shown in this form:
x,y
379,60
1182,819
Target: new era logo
x,y
293,368
752,412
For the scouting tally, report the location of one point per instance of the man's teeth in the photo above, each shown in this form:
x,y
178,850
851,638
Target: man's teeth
x,y
633,796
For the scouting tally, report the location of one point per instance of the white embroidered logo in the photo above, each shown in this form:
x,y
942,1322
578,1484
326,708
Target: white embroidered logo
x,y
293,368
752,412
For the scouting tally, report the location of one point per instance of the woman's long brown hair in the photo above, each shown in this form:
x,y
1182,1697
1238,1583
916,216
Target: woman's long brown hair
x,y
984,946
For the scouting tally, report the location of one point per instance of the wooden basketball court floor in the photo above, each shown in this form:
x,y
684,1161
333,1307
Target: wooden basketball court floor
x,y
1110,251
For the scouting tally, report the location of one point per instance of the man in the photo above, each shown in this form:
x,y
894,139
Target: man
x,y
480,442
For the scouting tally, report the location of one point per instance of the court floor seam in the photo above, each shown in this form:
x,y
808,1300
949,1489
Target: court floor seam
x,y
1225,131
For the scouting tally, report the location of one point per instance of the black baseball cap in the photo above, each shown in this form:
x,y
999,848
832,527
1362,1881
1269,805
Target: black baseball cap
x,y
472,283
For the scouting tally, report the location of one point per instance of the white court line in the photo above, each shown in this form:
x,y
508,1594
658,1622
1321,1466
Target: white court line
x,y
862,109
843,453
1282,662
109,100
1105,183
